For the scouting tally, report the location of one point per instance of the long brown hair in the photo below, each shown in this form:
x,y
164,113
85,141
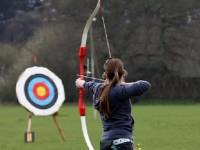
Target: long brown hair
x,y
114,73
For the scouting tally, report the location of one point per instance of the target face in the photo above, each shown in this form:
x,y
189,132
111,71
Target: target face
x,y
40,91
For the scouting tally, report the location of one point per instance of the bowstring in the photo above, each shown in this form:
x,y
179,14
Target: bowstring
x,y
105,30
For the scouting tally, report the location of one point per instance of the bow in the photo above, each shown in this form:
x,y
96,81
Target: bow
x,y
82,55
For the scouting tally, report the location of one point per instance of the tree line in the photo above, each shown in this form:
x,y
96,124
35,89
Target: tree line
x,y
157,40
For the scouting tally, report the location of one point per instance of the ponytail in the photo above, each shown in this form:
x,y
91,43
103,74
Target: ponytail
x,y
114,71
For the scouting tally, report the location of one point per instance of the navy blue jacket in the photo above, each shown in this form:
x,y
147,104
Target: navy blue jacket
x,y
120,123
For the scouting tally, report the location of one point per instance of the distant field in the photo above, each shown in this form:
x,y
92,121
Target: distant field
x,y
157,127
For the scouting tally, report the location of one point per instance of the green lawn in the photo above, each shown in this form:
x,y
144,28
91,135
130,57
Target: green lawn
x,y
157,127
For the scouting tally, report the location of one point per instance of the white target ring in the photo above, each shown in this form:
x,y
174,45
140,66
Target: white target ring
x,y
40,91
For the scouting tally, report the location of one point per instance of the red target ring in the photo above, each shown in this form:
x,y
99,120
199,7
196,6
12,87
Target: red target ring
x,y
41,91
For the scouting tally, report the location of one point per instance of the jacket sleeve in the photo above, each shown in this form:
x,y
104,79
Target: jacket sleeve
x,y
90,86
136,88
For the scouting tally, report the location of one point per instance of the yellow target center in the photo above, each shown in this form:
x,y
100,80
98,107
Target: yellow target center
x,y
41,91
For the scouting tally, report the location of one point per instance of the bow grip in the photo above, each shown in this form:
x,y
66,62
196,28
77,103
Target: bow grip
x,y
81,104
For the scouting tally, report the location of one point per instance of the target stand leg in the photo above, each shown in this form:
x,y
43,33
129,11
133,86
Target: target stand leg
x,y
60,130
29,137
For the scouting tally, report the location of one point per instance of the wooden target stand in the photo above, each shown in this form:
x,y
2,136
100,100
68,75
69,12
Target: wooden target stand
x,y
29,135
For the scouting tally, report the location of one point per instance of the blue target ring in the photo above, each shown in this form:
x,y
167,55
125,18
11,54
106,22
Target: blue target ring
x,y
33,99
32,95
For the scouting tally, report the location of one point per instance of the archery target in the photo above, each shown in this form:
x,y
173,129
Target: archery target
x,y
40,91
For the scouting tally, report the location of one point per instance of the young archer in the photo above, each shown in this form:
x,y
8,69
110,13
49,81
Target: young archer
x,y
112,99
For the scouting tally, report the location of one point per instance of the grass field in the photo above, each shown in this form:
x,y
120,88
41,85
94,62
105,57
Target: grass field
x,y
167,127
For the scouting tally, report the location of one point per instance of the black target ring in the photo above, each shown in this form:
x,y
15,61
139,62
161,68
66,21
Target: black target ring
x,y
27,92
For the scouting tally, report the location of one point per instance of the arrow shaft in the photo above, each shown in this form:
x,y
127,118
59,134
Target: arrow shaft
x,y
90,78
